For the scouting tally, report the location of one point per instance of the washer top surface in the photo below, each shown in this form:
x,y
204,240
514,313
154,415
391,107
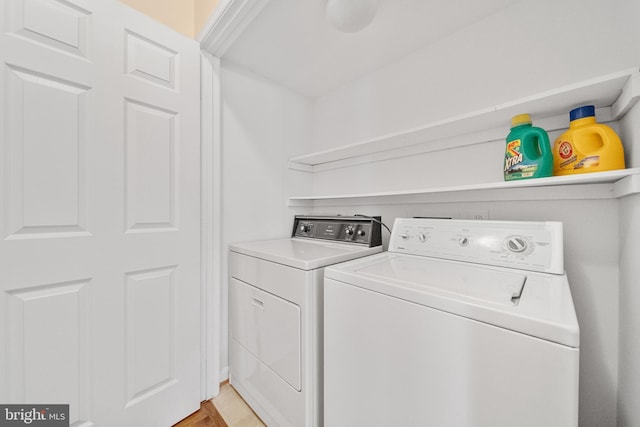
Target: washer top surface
x,y
464,280
505,273
304,254
536,304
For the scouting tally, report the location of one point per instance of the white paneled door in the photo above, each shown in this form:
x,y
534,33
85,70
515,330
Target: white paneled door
x,y
99,213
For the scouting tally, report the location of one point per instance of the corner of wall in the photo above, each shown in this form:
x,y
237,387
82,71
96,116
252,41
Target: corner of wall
x,y
630,131
629,315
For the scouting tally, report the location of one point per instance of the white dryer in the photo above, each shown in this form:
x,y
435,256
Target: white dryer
x,y
275,314
459,324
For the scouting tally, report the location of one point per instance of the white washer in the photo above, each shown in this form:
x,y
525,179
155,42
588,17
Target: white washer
x,y
460,324
275,314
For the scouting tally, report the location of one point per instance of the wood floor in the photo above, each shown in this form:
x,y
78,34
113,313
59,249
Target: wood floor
x,y
207,416
225,410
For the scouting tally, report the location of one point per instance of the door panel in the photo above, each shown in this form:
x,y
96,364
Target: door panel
x,y
150,343
49,358
151,182
151,61
57,24
45,142
99,213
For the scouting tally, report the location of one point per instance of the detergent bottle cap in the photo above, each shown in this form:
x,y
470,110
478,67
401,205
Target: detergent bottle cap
x,y
582,112
520,119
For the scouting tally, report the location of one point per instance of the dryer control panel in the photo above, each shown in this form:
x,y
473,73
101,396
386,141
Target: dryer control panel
x,y
349,229
534,246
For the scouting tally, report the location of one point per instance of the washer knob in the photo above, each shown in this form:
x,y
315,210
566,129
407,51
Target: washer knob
x,y
349,231
463,241
422,237
304,228
517,244
404,236
361,233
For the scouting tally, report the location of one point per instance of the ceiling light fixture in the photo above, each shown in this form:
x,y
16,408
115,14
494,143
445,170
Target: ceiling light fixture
x,y
350,16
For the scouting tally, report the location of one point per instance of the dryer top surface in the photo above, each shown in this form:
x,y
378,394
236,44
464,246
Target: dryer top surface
x,y
302,253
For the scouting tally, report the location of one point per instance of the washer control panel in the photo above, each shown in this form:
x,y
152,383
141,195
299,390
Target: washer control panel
x,y
535,246
350,229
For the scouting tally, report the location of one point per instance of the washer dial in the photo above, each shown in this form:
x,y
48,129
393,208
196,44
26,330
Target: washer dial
x,y
517,244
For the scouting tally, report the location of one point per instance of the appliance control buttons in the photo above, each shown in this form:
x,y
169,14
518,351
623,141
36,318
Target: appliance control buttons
x,y
404,236
361,233
517,244
349,230
305,228
422,237
463,241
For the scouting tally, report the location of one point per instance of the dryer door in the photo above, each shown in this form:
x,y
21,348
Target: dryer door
x,y
269,328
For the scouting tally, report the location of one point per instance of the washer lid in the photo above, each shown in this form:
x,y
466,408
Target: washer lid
x,y
303,254
466,281
532,303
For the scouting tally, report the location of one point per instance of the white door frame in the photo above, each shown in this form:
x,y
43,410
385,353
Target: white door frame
x,y
223,27
211,222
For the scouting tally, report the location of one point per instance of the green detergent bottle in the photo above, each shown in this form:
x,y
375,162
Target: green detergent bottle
x,y
528,153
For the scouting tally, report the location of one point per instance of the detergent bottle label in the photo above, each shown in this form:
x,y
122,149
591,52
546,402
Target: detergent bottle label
x,y
566,153
516,166
571,159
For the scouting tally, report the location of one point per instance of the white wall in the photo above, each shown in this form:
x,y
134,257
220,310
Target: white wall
x,y
629,334
525,49
522,50
262,126
629,369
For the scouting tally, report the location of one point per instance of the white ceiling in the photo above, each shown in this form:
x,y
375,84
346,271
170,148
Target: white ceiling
x,y
290,42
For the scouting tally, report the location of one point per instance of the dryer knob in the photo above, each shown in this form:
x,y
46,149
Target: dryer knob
x,y
422,237
304,228
404,236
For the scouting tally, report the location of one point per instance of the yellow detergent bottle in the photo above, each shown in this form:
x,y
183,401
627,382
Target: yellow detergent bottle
x,y
587,146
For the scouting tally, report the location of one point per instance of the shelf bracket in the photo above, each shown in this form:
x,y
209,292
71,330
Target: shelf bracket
x,y
627,186
628,98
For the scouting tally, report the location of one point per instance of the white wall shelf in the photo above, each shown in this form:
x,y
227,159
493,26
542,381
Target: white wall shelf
x,y
614,94
597,185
